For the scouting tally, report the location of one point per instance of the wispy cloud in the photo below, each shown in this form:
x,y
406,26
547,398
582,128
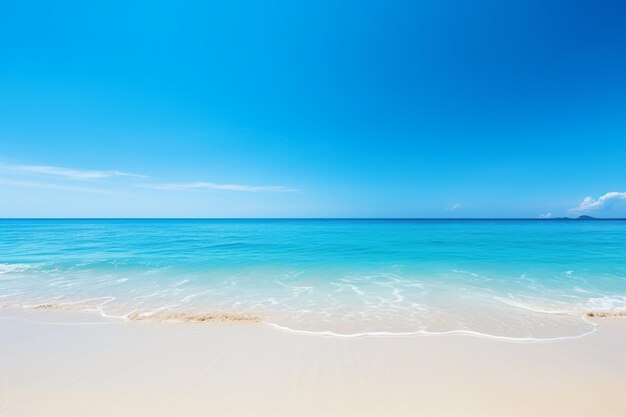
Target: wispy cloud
x,y
591,204
454,207
50,186
221,187
18,174
67,173
546,215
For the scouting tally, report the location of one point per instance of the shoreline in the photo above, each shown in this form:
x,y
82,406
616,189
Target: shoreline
x,y
592,318
163,369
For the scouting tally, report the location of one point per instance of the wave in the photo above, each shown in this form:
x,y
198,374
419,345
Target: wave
x,y
13,268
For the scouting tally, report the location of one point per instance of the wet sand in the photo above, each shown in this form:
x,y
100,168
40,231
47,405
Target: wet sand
x,y
71,364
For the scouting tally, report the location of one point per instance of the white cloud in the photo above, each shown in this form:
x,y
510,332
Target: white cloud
x,y
221,187
591,204
454,207
546,215
69,173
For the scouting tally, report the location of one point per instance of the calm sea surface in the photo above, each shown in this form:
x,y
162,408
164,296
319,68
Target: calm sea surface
x,y
518,279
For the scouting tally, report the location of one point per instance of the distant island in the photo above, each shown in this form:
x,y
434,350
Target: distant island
x,y
583,217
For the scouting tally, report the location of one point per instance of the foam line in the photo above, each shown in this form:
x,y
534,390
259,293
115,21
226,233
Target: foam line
x,y
327,333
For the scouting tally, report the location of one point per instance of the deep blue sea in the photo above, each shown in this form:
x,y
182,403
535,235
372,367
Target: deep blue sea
x,y
509,279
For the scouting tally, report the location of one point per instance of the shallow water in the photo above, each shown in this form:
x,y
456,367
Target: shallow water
x,y
510,279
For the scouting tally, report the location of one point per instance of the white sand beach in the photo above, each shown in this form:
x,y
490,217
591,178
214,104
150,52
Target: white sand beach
x,y
70,364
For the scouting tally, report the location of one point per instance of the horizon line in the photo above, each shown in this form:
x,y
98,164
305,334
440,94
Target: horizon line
x,y
313,218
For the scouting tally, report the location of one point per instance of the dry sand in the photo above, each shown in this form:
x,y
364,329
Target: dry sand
x,y
69,364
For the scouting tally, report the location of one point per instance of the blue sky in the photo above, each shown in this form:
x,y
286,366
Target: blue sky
x,y
312,109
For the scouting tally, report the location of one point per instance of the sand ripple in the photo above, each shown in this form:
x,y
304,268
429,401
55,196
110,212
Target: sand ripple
x,y
606,314
173,316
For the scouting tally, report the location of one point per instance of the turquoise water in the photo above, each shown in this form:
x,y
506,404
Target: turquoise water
x,y
517,279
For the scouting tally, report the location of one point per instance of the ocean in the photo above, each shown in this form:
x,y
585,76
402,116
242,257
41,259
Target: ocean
x,y
519,280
